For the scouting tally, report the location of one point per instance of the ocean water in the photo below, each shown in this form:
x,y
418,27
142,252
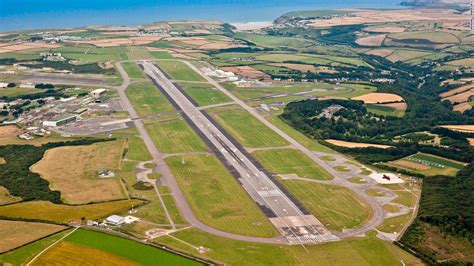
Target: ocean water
x,y
41,14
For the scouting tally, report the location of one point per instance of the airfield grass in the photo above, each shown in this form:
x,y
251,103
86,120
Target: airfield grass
x,y
24,254
217,198
357,180
147,99
290,161
72,171
405,198
298,136
138,53
174,136
248,130
133,70
205,97
173,209
47,211
136,149
17,233
15,92
336,207
367,250
341,168
161,55
375,193
87,247
152,211
395,224
179,71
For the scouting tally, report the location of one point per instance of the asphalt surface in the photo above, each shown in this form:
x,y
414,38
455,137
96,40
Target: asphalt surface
x,y
293,223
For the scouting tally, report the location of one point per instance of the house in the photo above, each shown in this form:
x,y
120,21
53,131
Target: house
x,y
98,92
115,220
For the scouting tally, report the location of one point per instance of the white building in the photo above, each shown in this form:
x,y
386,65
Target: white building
x,y
60,120
98,92
3,85
115,220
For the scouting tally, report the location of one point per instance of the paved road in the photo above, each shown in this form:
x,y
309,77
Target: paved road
x,y
296,224
377,208
169,179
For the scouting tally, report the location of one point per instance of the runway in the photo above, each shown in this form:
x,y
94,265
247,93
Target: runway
x,y
295,224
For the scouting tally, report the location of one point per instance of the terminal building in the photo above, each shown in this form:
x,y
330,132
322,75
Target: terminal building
x,y
60,120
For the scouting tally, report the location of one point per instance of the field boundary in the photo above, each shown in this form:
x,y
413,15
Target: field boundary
x,y
50,246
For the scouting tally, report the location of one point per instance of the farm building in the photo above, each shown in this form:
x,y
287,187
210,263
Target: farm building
x,y
115,220
60,120
98,92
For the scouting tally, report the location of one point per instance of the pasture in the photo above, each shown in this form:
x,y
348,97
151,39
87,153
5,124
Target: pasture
x,y
178,70
147,99
73,172
290,161
216,197
174,136
14,234
84,247
16,92
248,130
65,213
377,97
348,144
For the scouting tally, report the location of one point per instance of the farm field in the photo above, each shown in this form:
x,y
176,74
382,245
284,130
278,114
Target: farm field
x,y
133,70
217,198
6,198
290,161
248,130
73,171
65,213
428,165
14,234
432,36
84,247
15,92
273,41
336,207
175,136
355,144
461,128
375,97
178,70
147,99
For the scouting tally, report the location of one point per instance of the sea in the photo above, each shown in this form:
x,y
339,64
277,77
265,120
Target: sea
x,y
50,14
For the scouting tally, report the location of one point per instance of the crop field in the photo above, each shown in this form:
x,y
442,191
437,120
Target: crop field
x,y
22,255
65,213
72,171
5,196
147,99
133,70
377,97
207,96
84,247
289,161
468,62
273,41
460,128
217,198
17,233
367,250
179,71
336,207
371,40
174,136
348,144
248,130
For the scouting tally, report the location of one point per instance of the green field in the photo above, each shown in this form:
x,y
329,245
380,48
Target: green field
x,y
217,198
248,130
289,161
437,161
178,70
147,99
395,224
336,207
428,165
174,136
205,97
92,54
125,249
367,250
273,41
161,55
14,92
384,110
133,70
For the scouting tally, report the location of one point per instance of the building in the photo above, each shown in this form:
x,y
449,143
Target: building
x,y
98,92
115,220
27,85
60,120
3,85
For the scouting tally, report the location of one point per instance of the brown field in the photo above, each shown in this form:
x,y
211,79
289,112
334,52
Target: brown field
x,y
5,196
379,16
246,71
355,144
375,40
460,97
471,141
140,40
68,253
461,128
2,160
404,55
16,233
45,210
72,170
456,91
380,52
203,43
411,164
10,130
469,62
399,106
20,46
377,97
462,107
386,29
